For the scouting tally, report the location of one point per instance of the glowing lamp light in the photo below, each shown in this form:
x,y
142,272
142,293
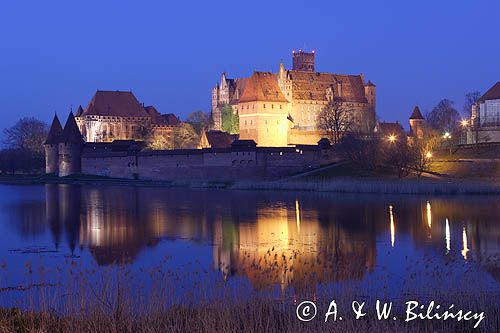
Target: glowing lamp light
x,y
464,123
428,154
447,135
391,138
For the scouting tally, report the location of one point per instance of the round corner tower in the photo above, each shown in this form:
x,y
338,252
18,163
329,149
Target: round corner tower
x,y
70,148
303,61
51,146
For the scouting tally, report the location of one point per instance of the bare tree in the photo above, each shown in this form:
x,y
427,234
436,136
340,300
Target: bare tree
x,y
362,151
28,134
336,119
199,120
420,157
185,137
444,117
158,140
470,99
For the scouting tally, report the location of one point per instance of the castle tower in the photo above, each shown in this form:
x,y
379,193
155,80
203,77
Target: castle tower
x,y
417,123
371,97
70,148
51,146
303,61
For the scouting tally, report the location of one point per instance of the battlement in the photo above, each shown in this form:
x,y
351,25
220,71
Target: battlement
x,y
303,61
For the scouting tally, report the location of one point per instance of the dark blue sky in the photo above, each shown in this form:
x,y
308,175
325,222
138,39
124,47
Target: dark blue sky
x,y
54,54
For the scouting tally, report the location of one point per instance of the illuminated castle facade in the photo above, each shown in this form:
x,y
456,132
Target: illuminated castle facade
x,y
118,115
278,109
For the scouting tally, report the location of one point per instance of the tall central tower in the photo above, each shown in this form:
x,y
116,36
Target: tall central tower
x,y
303,61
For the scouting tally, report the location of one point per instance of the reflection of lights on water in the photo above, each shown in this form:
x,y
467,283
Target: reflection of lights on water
x,y
297,214
464,241
429,217
393,231
447,237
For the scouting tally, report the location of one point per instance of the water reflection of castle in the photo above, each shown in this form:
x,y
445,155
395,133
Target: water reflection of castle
x,y
286,241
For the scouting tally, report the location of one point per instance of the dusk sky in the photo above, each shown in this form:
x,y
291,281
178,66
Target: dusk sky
x,y
56,54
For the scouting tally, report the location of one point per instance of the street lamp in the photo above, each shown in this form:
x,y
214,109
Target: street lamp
x,y
391,138
464,123
428,154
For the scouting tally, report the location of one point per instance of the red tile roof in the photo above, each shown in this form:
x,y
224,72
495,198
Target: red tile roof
x,y
219,139
168,119
115,104
262,86
416,114
55,132
313,86
238,85
71,133
492,93
391,128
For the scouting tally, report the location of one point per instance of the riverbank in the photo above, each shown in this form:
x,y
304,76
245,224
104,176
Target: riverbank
x,y
360,184
251,316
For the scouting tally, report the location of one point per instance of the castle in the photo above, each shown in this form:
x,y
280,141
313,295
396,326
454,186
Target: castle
x,y
66,153
118,115
279,109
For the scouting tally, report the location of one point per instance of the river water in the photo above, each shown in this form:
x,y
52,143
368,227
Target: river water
x,y
283,244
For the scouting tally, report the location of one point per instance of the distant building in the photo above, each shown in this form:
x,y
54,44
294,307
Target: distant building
x,y
485,119
216,139
118,115
282,108
387,129
417,124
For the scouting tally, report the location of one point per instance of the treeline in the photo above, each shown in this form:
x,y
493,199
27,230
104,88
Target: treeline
x,y
23,150
396,154
185,135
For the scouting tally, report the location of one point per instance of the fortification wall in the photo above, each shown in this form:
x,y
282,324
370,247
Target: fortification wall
x,y
206,164
112,165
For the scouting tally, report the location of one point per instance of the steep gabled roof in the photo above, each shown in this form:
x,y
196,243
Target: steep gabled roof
x,y
157,118
115,104
416,114
219,139
55,132
71,133
391,128
313,86
492,93
262,86
238,87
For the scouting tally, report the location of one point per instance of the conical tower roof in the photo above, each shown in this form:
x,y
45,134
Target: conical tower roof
x,y
79,112
71,133
55,132
416,114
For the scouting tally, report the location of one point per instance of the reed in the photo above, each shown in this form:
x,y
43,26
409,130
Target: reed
x,y
345,185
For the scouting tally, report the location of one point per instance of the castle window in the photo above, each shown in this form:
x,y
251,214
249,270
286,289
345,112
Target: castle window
x,y
280,107
264,106
272,106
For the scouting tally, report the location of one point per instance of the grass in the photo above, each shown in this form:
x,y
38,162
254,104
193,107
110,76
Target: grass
x,y
387,186
253,316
